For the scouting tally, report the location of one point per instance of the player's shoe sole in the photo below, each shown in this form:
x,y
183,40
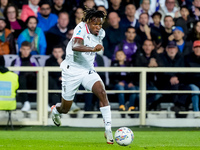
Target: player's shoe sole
x,y
109,136
55,117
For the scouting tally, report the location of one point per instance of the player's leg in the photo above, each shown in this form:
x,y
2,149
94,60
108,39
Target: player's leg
x,y
94,83
58,109
99,90
70,86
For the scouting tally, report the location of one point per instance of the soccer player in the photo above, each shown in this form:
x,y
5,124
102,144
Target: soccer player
x,y
78,68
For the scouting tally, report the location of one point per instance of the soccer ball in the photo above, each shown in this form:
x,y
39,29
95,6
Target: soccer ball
x,y
124,136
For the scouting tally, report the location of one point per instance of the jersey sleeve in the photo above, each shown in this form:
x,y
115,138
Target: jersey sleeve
x,y
79,32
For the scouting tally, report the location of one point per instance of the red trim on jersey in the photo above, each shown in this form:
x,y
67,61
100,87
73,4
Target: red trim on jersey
x,y
78,38
87,29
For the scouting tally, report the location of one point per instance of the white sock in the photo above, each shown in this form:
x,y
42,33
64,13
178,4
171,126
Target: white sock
x,y
106,113
55,110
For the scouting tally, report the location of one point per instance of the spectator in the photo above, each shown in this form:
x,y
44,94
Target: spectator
x,y
185,21
58,7
7,41
114,35
169,9
46,19
8,87
128,46
193,79
145,32
12,22
71,5
103,3
55,78
144,8
105,24
34,35
147,57
3,4
76,18
30,10
185,47
167,33
122,81
156,25
115,6
129,18
69,36
57,34
88,4
19,3
195,13
173,81
194,34
27,80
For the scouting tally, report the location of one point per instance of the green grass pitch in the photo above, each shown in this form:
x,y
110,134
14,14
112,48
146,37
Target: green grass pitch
x,y
67,138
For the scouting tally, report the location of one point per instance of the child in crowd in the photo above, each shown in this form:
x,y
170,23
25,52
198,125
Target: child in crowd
x,y
123,81
157,22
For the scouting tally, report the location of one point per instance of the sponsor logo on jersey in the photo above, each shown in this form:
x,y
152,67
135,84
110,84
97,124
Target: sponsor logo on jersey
x,y
79,32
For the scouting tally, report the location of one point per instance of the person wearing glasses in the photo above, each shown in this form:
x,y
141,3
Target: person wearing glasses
x,y
46,19
12,22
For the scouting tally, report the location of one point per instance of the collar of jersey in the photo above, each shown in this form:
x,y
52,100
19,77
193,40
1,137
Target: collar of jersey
x,y
87,28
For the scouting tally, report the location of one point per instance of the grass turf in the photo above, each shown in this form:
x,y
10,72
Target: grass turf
x,y
66,138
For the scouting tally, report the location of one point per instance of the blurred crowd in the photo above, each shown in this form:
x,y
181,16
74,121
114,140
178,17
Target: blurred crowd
x,y
139,33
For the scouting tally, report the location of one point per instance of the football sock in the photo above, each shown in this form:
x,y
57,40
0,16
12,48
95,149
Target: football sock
x,y
55,109
106,113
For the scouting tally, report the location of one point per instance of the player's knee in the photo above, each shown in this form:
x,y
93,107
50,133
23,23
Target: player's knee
x,y
102,92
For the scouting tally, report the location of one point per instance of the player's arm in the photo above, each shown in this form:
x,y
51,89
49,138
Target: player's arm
x,y
77,45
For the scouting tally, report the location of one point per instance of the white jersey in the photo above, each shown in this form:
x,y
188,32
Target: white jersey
x,y
83,60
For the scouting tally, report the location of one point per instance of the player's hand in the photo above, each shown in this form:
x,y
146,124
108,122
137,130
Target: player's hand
x,y
98,48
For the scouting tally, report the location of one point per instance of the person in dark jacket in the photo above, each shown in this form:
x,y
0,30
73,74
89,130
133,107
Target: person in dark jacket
x,y
27,80
55,77
194,34
114,35
129,18
123,81
145,32
58,33
147,57
185,21
193,79
173,81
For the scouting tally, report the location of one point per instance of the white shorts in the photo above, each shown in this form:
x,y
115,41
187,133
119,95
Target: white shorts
x,y
72,78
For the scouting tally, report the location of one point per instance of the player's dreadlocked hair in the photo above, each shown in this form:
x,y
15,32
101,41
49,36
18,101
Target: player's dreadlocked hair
x,y
90,13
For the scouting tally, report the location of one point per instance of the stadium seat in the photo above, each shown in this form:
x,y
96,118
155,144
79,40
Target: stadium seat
x,y
8,59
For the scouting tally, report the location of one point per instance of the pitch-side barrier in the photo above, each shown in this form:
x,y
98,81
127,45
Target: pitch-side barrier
x,y
42,90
